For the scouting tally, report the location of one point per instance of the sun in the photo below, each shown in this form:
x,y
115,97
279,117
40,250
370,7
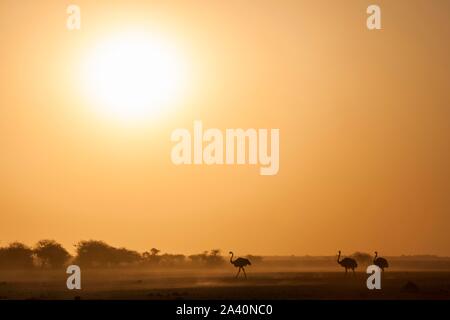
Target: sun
x,y
133,77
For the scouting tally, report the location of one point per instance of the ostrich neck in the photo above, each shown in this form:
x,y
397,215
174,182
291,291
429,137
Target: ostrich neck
x,y
231,258
339,257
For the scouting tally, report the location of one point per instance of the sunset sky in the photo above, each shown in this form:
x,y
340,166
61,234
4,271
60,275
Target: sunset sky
x,y
364,119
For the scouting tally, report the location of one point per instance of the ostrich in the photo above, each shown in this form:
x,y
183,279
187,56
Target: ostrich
x,y
380,262
347,263
239,263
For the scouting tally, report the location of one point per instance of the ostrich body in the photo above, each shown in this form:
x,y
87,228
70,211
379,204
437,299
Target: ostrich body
x,y
380,262
347,263
240,263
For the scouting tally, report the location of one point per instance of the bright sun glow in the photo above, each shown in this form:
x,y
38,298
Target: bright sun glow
x,y
133,77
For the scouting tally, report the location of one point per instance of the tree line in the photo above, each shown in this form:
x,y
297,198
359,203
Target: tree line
x,y
94,253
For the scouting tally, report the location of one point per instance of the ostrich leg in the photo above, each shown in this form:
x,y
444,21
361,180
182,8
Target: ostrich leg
x,y
243,269
238,272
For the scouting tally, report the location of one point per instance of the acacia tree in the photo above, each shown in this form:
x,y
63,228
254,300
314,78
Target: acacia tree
x,y
151,257
51,253
154,251
16,255
96,253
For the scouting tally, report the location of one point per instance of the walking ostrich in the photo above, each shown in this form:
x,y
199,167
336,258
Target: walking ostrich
x,y
347,263
240,263
380,262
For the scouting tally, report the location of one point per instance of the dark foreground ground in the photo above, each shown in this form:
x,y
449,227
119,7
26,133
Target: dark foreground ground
x,y
220,285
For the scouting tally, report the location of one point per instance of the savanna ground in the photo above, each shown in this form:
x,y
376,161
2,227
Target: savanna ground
x,y
221,284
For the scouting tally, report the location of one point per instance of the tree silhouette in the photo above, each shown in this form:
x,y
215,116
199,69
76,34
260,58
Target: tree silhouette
x,y
95,253
51,253
214,258
211,259
16,255
154,251
151,258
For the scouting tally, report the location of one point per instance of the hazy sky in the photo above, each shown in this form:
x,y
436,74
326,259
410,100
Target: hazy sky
x,y
363,118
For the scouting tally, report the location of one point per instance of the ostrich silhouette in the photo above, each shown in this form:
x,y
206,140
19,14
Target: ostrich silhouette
x,y
240,263
347,263
380,262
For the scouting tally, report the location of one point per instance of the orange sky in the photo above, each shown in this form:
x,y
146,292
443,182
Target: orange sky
x,y
363,118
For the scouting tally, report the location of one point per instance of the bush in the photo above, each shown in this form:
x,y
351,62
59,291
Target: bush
x,y
364,259
212,259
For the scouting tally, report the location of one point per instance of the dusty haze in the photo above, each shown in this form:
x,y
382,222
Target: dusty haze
x,y
363,118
